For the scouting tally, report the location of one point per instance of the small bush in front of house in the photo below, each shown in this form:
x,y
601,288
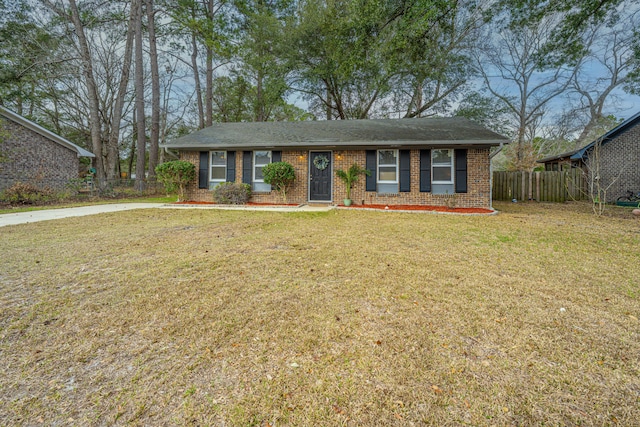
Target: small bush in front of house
x,y
22,193
175,175
232,193
280,175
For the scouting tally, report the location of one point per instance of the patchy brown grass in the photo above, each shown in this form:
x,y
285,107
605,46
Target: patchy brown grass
x,y
209,317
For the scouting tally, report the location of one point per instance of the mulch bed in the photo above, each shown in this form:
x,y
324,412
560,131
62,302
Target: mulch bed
x,y
422,208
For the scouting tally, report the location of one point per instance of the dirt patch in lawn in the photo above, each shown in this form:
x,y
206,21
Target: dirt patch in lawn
x,y
347,317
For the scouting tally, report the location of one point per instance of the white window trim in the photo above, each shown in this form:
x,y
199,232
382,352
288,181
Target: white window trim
x,y
211,166
442,165
255,164
397,166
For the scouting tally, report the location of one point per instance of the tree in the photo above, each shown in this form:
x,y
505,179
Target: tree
x,y
610,50
510,67
141,129
176,175
154,134
206,24
261,54
71,14
280,175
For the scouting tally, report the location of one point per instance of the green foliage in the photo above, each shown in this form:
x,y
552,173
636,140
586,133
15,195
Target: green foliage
x,y
27,194
232,193
175,175
350,177
280,175
566,44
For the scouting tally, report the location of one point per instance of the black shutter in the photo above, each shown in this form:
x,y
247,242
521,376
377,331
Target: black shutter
x,y
405,171
425,171
231,166
247,164
203,171
276,156
371,166
461,171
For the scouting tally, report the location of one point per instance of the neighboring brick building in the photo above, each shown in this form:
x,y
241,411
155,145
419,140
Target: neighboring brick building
x,y
613,159
31,154
432,162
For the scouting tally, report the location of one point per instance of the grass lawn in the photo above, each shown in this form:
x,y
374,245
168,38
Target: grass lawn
x,y
209,317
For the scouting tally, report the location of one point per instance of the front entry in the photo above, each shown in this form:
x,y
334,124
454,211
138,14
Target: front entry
x,y
320,168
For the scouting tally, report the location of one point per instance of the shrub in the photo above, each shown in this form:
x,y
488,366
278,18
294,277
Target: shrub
x,y
350,177
231,193
280,175
175,175
27,194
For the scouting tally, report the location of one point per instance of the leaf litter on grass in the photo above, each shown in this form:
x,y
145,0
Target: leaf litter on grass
x,y
192,316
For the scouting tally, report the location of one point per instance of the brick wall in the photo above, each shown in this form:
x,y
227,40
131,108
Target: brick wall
x,y
619,159
30,157
478,181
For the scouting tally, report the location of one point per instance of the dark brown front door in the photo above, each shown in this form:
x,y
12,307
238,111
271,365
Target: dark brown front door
x,y
320,168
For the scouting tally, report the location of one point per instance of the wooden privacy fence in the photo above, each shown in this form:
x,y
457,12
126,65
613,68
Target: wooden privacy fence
x,y
544,186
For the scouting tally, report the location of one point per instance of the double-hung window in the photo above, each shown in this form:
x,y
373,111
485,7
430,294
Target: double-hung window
x,y
442,166
260,160
387,171
442,171
218,166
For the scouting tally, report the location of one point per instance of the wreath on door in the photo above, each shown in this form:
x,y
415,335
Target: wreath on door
x,y
321,162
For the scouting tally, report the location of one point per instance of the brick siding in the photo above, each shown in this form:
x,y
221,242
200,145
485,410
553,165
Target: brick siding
x,y
619,159
31,158
478,181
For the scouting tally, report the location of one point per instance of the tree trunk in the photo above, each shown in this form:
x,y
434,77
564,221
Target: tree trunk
x,y
154,135
139,86
209,89
196,79
113,156
94,105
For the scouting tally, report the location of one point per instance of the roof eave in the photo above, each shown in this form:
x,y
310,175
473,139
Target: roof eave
x,y
355,145
44,132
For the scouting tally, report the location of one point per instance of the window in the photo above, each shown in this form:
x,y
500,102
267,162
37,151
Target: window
x,y
218,173
260,160
387,171
442,166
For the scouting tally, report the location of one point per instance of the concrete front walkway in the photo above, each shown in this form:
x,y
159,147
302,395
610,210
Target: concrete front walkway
x,y
49,214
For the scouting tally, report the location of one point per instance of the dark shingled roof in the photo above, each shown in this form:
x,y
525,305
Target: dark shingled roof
x,y
454,132
17,118
581,153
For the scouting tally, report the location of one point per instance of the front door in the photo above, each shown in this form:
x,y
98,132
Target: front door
x,y
320,176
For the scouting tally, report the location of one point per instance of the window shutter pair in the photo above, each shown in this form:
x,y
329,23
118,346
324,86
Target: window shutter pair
x,y
203,170
247,164
405,170
460,177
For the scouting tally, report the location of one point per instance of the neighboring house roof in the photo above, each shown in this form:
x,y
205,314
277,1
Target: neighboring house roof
x,y
17,118
579,154
455,131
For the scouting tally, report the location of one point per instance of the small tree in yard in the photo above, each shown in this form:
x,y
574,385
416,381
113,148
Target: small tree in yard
x,y
280,175
350,177
175,175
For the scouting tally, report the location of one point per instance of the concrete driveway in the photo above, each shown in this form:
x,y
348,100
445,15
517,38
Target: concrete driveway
x,y
48,214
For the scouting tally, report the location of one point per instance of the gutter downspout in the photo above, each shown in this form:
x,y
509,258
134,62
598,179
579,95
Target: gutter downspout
x,y
491,156
170,153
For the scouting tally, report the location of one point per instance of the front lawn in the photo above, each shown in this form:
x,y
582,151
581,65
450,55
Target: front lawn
x,y
210,317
